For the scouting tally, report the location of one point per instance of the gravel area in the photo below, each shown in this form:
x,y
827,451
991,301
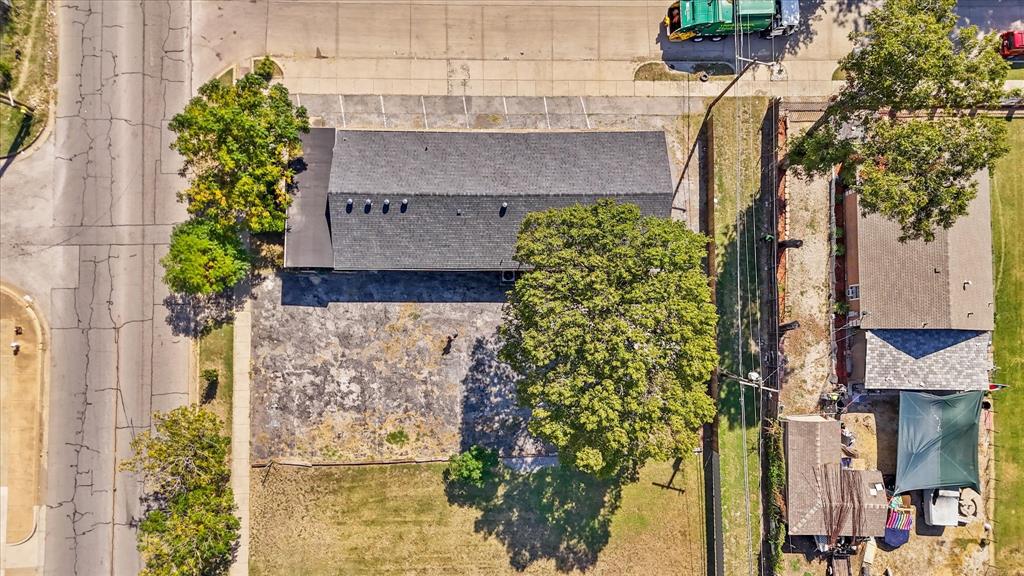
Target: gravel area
x,y
381,366
807,296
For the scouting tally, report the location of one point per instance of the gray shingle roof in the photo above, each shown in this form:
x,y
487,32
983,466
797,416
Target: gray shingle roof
x,y
946,283
507,163
927,359
813,470
307,243
455,184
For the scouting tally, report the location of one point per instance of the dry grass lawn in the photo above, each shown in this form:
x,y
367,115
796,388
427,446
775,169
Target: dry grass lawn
x,y
399,520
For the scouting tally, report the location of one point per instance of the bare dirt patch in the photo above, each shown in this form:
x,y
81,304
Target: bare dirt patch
x,y
20,415
807,295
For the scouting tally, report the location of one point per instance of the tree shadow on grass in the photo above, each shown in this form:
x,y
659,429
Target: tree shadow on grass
x,y
550,513
553,513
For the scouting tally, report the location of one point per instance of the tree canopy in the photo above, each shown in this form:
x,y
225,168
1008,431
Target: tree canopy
x,y
237,142
902,128
190,527
613,334
204,258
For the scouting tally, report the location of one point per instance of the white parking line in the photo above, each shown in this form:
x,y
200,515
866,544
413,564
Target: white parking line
x,y
341,102
382,112
585,116
423,103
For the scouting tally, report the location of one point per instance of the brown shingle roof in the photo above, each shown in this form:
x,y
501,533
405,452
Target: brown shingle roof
x,y
813,470
946,283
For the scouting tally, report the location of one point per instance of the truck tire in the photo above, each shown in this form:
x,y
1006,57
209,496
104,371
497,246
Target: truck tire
x,y
698,39
717,38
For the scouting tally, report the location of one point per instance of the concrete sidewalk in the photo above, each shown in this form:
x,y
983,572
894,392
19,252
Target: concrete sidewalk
x,y
240,436
533,78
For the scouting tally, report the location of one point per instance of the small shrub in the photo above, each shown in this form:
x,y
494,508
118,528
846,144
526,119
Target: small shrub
x,y
211,379
840,308
839,249
397,438
474,466
776,486
839,232
210,376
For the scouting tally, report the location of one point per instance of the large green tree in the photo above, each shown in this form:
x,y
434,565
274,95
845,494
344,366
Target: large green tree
x,y
903,127
237,142
190,528
613,334
204,258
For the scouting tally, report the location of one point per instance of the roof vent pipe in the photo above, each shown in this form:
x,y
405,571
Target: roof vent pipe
x,y
387,202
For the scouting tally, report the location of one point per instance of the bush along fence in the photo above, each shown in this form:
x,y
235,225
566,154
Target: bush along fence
x,y
776,482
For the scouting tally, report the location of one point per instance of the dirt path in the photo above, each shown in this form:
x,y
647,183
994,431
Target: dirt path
x,y
20,415
807,294
27,49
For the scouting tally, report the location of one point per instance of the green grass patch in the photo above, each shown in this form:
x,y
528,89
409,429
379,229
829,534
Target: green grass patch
x,y
216,353
27,48
839,74
400,520
660,71
16,128
737,123
1008,341
1016,71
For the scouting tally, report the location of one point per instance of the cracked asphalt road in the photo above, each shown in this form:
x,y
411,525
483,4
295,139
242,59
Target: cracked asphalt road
x,y
85,220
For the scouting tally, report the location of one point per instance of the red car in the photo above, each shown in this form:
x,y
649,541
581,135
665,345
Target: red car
x,y
1011,43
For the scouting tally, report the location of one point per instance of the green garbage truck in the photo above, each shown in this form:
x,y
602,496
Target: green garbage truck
x,y
697,20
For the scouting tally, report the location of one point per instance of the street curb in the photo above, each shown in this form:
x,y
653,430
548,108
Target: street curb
x,y
240,436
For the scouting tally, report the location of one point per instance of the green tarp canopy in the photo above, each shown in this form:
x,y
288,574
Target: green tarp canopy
x,y
938,441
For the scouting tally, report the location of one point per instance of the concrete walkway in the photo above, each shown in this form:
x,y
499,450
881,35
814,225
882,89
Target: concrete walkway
x,y
240,436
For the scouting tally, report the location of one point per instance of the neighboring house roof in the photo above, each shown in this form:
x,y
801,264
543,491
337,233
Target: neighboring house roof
x,y
456,199
946,283
817,487
927,359
307,240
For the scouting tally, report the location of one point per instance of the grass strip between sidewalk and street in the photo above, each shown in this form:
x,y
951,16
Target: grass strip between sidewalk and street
x,y
216,352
